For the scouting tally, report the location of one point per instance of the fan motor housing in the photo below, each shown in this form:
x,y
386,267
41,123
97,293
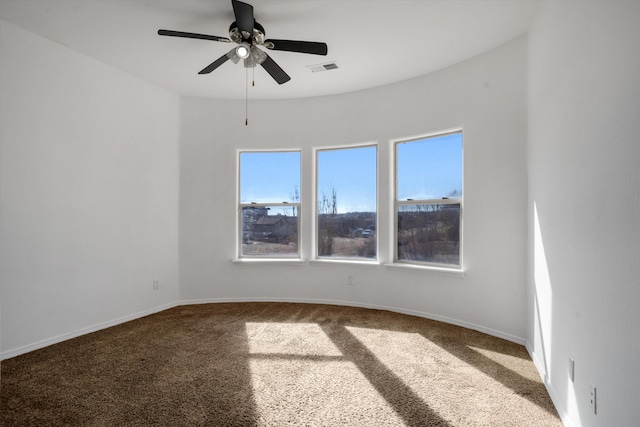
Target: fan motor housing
x,y
257,37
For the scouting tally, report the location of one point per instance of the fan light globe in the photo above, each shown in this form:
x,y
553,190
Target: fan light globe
x,y
243,50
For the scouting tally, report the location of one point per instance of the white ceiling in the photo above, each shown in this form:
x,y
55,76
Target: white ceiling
x,y
373,42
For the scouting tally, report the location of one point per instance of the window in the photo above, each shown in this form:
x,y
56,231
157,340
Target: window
x,y
428,202
269,204
346,203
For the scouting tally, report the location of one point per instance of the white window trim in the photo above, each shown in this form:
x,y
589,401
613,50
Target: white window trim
x,y
307,215
352,262
293,262
406,266
398,264
262,259
316,258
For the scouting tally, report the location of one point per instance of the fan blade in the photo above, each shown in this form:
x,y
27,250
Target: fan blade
x,y
192,35
314,48
215,64
274,69
244,16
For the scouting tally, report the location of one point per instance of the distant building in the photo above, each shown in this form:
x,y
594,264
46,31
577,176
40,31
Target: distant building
x,y
276,227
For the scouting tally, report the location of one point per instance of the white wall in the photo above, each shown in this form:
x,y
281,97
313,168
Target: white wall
x,y
584,207
88,193
485,96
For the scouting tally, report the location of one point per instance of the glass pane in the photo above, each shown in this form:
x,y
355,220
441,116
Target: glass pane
x,y
429,233
270,230
347,186
430,168
269,177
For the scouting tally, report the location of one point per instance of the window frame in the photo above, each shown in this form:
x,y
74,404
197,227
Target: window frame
x,y
316,222
292,204
441,201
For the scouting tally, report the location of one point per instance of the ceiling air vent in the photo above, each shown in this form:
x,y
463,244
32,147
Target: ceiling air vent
x,y
323,67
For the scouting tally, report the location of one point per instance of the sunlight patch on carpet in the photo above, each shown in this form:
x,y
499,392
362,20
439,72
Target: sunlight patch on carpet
x,y
460,393
304,339
297,392
519,365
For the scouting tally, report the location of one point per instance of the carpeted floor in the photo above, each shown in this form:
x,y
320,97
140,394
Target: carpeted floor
x,y
276,364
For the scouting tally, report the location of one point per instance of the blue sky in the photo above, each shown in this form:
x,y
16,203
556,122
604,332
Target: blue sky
x,y
352,173
427,169
430,168
269,177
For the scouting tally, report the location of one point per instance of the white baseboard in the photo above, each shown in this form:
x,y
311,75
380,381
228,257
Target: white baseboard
x,y
430,316
54,340
57,339
540,366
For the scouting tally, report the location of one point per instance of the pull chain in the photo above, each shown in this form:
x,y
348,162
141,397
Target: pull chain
x,y
246,97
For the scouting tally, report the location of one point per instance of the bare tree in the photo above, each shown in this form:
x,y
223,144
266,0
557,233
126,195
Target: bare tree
x,y
429,232
294,196
327,210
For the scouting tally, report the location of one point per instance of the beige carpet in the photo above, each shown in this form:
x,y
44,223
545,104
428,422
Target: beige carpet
x,y
273,364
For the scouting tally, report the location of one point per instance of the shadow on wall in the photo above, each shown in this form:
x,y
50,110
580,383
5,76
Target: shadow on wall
x,y
250,364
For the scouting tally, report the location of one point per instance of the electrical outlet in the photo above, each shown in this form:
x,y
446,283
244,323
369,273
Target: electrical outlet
x,y
156,285
571,369
592,399
350,280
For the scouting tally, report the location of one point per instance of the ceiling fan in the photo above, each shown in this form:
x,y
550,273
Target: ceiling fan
x,y
249,35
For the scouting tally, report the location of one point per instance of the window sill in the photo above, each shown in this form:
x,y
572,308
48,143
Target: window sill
x,y
455,272
350,263
297,262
